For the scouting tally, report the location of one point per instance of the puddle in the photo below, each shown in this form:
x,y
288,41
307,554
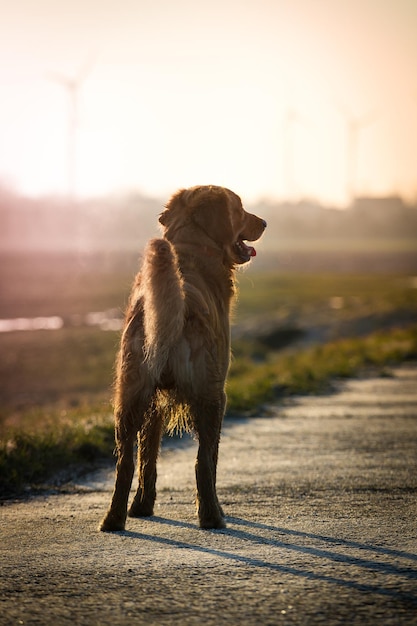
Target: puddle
x,y
105,320
33,323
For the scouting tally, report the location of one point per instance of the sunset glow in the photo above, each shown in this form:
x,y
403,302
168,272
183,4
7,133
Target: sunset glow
x,y
278,99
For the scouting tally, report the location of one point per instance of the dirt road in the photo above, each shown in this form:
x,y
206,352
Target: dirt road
x,y
321,506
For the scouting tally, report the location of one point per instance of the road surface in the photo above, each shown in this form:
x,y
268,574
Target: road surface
x,y
321,508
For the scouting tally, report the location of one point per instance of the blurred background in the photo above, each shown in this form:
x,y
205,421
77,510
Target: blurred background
x,y
306,109
273,98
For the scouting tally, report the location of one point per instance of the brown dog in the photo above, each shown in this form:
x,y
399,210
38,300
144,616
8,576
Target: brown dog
x,y
175,348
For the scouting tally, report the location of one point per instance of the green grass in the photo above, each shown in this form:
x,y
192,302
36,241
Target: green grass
x,y
30,458
312,369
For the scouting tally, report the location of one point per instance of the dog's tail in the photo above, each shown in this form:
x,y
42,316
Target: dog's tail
x,y
162,286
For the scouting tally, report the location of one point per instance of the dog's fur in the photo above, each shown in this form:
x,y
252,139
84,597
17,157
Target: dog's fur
x,y
175,348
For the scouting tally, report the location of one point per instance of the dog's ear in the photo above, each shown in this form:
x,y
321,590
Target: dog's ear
x,y
175,203
211,212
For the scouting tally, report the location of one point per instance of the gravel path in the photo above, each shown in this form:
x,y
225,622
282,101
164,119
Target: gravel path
x,y
320,499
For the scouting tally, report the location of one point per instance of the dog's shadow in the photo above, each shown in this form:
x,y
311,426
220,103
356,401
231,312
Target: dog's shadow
x,y
255,533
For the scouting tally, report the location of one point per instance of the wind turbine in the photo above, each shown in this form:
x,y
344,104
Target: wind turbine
x,y
354,126
72,85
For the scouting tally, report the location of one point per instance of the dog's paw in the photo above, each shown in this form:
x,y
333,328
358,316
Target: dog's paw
x,y
140,510
112,523
212,522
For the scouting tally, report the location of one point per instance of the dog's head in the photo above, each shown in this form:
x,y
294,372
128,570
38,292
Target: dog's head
x,y
207,215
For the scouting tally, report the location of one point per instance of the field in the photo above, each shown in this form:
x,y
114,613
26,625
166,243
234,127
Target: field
x,y
293,332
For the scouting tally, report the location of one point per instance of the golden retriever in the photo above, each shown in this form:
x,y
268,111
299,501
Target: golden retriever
x,y
175,347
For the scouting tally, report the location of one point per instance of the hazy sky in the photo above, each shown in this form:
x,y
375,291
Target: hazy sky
x,y
263,96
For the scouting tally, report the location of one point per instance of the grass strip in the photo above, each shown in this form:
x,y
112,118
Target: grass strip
x,y
31,457
311,370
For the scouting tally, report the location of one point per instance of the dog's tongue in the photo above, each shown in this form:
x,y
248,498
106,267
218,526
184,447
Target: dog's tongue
x,y
249,249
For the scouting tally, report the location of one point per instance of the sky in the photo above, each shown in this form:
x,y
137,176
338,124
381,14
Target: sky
x,y
275,99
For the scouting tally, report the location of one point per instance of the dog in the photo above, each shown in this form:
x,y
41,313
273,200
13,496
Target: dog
x,y
175,347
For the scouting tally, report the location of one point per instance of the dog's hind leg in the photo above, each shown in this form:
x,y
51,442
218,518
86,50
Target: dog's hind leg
x,y
133,392
125,433
208,425
149,439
